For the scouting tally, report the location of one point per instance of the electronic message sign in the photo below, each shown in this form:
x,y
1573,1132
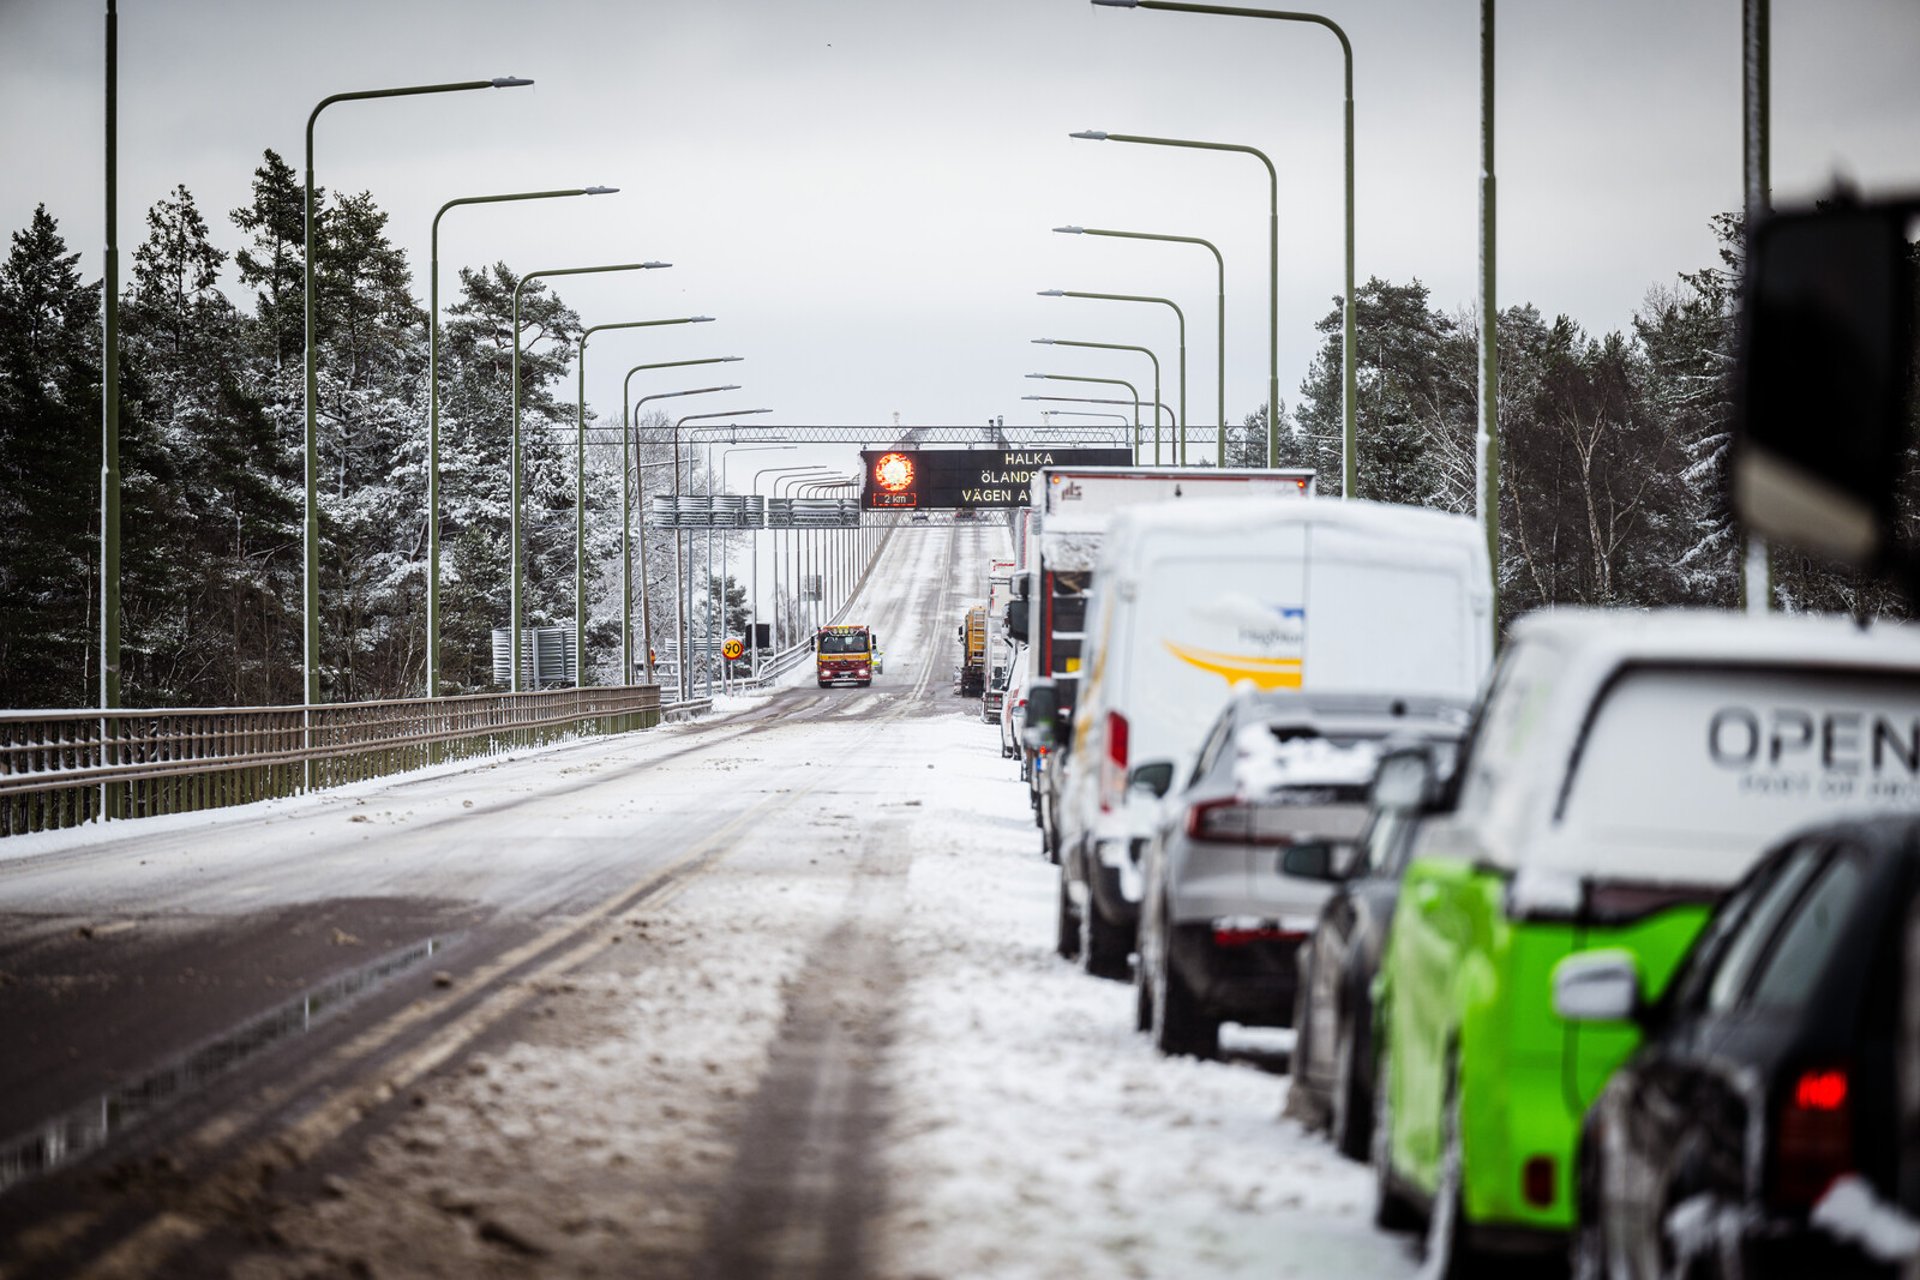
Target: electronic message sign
x,y
966,479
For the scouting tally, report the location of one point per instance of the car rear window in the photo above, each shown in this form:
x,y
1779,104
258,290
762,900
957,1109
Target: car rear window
x,y
1687,774
1808,939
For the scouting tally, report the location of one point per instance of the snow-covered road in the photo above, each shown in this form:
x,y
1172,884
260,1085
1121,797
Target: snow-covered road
x,y
770,994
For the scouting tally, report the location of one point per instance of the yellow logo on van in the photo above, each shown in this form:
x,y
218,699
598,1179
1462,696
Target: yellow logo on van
x,y
1266,673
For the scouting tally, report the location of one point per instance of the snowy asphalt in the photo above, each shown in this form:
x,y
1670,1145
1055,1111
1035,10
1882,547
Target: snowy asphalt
x,y
770,994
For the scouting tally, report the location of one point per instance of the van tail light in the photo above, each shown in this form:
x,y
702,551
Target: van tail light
x,y
1113,773
1231,821
1813,1143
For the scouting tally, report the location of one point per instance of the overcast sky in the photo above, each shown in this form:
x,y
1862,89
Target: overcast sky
x,y
862,190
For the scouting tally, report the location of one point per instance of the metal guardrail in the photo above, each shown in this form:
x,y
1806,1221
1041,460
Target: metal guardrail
x,y
63,768
773,668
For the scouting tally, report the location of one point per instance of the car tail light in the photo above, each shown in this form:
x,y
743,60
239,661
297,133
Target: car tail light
x,y
1813,1144
1230,821
1536,1181
1246,933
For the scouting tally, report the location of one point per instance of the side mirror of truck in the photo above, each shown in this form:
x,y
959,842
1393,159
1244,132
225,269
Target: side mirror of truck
x,y
1016,619
1824,393
1043,714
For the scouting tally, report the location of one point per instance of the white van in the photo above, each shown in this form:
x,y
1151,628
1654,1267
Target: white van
x,y
1196,599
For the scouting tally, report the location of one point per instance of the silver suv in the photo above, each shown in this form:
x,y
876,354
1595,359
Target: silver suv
x,y
1244,854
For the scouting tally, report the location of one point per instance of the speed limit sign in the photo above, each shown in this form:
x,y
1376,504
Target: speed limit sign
x,y
732,649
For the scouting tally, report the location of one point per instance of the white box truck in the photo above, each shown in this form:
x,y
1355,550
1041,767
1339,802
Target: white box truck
x,y
1072,507
1195,601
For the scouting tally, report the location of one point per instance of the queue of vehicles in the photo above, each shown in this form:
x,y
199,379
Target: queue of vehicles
x,y
1654,1001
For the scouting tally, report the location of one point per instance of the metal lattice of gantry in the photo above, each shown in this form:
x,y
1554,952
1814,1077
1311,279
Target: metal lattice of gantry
x,y
877,437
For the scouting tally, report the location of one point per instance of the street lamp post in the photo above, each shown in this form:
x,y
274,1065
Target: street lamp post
x,y
1220,264
755,488
1273,253
580,507
433,408
1348,353
1086,400
1112,382
726,556
1075,413
310,445
646,599
629,480
682,635
110,419
824,562
794,568
1148,353
519,556
1179,315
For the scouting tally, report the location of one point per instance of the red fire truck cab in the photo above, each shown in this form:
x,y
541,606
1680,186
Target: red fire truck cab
x,y
845,655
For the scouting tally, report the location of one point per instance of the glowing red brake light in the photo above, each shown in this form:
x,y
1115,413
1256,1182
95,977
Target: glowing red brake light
x,y
1821,1091
1813,1143
1117,738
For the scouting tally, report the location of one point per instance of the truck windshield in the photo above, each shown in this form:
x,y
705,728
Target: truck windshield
x,y
844,642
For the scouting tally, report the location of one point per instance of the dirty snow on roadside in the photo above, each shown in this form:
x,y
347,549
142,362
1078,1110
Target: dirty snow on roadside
x,y
1034,1133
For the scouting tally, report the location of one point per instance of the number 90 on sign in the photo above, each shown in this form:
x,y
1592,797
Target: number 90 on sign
x,y
733,648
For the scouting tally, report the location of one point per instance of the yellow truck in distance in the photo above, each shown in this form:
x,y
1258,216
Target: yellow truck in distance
x,y
972,677
845,654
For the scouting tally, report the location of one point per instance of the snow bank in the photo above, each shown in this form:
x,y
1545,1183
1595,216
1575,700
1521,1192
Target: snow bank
x,y
1035,1134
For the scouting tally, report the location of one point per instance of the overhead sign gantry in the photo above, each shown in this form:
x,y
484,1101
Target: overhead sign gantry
x,y
906,479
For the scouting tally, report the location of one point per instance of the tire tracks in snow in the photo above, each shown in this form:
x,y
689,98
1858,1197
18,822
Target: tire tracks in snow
x,y
806,1184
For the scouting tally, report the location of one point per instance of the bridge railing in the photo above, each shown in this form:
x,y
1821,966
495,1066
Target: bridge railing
x,y
63,768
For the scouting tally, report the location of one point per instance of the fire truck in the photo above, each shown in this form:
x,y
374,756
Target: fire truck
x,y
845,654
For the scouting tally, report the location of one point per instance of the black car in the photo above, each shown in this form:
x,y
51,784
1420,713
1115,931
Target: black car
x,y
1332,1063
1760,1128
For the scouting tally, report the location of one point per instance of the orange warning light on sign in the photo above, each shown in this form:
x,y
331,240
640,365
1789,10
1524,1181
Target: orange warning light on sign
x,y
893,472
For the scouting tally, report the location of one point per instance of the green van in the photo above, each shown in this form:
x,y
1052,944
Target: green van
x,y
1623,770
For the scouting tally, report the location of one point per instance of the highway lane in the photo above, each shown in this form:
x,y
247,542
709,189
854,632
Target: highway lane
x,y
126,953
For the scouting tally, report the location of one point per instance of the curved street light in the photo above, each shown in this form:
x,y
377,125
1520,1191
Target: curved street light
x,y
681,637
1124,346
1220,354
755,488
519,552
433,406
311,532
1273,252
1112,382
1348,349
580,504
629,479
646,602
1179,315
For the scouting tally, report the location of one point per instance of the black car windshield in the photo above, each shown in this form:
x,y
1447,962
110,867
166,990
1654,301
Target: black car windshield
x,y
843,642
